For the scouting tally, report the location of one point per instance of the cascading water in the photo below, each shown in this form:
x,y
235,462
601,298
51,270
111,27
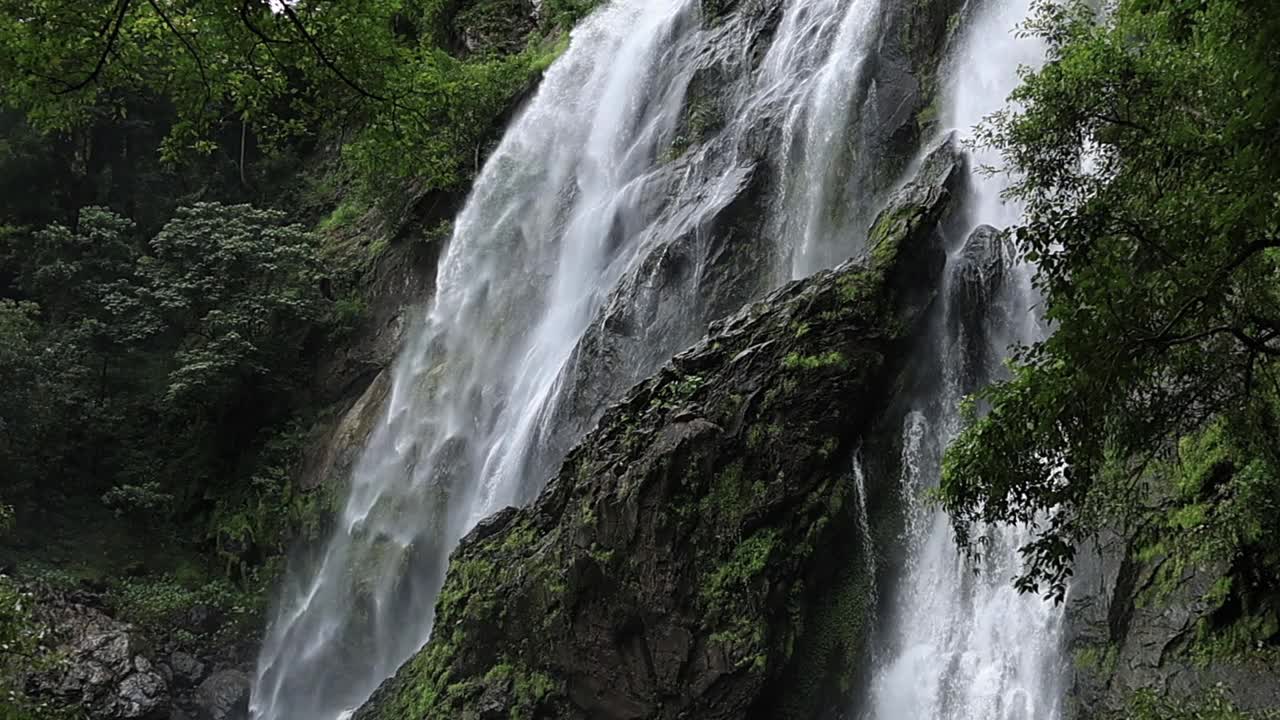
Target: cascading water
x,y
598,241
966,646
533,255
572,221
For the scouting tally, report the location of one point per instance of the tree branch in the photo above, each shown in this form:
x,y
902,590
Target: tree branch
x,y
114,33
204,77
324,59
248,23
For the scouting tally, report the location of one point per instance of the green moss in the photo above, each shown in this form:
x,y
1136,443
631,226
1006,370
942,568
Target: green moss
x,y
889,229
700,121
1214,704
829,645
796,361
1099,659
855,289
343,216
727,590
731,497
927,116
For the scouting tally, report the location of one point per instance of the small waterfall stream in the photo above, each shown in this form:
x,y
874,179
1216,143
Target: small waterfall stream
x,y
592,248
963,645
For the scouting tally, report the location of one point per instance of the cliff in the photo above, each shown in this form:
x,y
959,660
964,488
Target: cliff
x,y
697,554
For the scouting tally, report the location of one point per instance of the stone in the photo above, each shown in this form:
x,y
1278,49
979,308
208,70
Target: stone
x,y
224,695
186,668
107,670
143,694
978,310
1122,641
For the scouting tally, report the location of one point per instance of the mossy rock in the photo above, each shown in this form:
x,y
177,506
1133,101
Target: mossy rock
x,y
698,554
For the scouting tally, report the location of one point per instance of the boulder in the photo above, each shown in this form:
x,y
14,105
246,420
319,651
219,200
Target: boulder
x,y
224,695
105,669
187,670
978,313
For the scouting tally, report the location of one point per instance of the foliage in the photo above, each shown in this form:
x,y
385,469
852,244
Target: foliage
x,y
22,644
251,79
159,604
1144,153
1213,705
154,372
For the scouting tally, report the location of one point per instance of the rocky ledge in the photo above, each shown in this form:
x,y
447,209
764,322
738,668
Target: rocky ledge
x,y
107,669
698,554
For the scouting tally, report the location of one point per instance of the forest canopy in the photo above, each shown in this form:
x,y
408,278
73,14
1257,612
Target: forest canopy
x,y
395,72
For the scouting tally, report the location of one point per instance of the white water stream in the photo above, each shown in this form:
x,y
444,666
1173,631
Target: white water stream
x,y
560,236
963,645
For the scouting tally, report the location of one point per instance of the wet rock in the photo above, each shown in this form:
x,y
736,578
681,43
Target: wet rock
x,y
143,694
978,287
663,572
981,267
223,696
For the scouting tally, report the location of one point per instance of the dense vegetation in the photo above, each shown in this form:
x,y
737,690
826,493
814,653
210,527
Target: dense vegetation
x,y
1145,154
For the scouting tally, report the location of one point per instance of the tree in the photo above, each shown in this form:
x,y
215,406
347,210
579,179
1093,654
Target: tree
x,y
256,72
238,292
22,419
1144,151
151,373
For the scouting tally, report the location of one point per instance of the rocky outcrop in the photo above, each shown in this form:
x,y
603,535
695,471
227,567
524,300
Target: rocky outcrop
x,y
980,274
496,25
1122,637
696,554
108,669
224,696
722,178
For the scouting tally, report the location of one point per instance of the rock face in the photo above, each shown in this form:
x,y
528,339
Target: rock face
x,y
978,278
725,176
696,555
1122,639
110,670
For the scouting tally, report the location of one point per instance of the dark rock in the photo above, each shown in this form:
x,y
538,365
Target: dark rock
x,y
981,267
667,569
105,669
1122,640
186,668
223,696
204,619
143,694
979,276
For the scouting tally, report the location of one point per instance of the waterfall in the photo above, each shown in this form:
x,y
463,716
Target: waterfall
x,y
962,645
606,231
544,235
